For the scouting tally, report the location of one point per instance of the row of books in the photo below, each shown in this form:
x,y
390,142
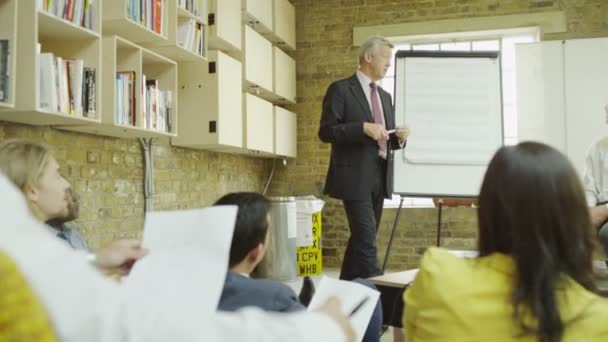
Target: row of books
x,y
158,107
148,13
66,86
196,7
125,99
5,70
190,35
78,12
156,111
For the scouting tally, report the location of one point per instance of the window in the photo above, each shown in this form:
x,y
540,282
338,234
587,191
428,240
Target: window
x,y
503,41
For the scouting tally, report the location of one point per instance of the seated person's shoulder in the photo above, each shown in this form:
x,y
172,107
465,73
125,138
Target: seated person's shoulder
x,y
600,146
241,291
599,307
273,286
444,268
438,259
589,320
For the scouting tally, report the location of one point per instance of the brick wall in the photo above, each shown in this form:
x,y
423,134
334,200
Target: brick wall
x,y
325,53
108,174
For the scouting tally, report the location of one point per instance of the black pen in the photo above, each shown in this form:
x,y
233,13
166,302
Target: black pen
x,y
359,306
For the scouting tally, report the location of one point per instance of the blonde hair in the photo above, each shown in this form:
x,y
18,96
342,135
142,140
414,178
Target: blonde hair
x,y
371,46
23,161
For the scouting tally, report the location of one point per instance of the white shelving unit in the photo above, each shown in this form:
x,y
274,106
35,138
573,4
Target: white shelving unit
x,y
214,113
285,132
211,105
225,26
284,72
259,125
258,15
284,25
257,64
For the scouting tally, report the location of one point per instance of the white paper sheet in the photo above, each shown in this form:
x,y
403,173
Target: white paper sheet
x,y
181,279
350,294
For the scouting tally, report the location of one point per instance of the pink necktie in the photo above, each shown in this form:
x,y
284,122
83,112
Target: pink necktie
x,y
377,112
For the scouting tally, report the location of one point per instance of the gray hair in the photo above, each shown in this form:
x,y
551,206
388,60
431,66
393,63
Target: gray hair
x,y
372,44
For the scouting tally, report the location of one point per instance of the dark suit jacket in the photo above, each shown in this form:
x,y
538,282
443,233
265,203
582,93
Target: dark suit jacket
x,y
354,155
240,291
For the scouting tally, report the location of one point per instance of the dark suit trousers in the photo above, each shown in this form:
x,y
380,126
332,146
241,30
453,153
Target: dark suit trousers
x,y
360,257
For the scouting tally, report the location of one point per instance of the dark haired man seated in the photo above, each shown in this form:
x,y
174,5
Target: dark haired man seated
x,y
249,243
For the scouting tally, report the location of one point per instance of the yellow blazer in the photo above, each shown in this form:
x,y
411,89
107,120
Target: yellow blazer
x,y
22,317
457,299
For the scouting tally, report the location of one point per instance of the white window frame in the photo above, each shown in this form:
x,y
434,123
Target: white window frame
x,y
506,42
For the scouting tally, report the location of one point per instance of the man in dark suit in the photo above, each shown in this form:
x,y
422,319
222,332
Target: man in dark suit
x,y
249,242
356,119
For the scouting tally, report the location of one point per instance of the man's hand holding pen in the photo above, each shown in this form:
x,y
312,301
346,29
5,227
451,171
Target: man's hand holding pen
x,y
377,132
402,132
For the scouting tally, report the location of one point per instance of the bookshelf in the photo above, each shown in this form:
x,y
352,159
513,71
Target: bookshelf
x,y
8,34
63,39
258,15
211,110
182,25
259,125
257,64
121,55
117,20
225,28
284,77
208,85
285,132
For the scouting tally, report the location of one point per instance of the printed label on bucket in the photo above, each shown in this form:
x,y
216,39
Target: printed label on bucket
x,y
310,258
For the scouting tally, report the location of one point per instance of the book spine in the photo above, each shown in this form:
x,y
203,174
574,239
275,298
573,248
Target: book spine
x,y
92,98
4,69
158,15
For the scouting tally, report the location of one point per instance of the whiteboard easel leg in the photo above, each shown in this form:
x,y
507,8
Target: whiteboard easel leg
x,y
439,223
390,240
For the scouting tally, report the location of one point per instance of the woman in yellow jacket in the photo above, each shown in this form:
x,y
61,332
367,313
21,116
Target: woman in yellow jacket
x,y
533,279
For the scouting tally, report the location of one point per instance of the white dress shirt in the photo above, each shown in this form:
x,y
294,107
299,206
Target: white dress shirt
x,y
595,179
